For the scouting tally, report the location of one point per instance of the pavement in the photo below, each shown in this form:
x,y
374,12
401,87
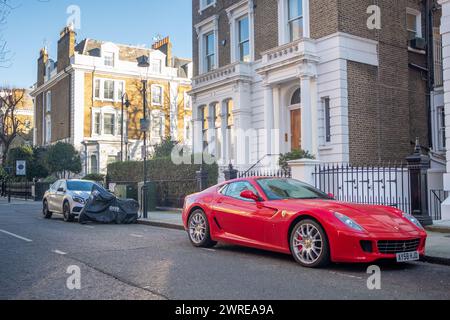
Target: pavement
x,y
38,256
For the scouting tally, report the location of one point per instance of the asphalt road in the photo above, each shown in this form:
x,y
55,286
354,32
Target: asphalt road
x,y
141,262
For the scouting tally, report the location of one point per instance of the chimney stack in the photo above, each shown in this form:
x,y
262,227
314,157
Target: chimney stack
x,y
42,62
165,46
66,47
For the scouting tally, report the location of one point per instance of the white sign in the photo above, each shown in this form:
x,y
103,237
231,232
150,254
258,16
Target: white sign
x,y
21,168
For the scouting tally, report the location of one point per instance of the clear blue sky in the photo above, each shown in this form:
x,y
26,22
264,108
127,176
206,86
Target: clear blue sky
x,y
135,22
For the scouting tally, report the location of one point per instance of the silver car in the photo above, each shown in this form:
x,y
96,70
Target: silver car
x,y
67,197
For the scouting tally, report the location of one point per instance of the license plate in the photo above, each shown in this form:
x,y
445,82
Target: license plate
x,y
408,256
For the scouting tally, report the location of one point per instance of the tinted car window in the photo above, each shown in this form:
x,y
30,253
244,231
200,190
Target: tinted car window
x,y
278,189
235,189
80,186
55,186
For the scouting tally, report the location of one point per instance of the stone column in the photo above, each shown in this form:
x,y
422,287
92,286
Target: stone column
x,y
268,117
224,116
307,114
445,31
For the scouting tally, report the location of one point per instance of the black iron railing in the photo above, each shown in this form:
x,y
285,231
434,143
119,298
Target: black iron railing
x,y
437,197
376,185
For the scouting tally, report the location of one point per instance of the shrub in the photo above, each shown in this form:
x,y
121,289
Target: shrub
x,y
96,177
174,182
294,155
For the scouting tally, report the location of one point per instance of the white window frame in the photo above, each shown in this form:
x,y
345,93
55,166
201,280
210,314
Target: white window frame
x,y
159,69
161,88
236,13
116,95
283,25
440,128
209,25
158,114
48,129
94,114
203,5
187,101
418,15
111,56
48,101
103,111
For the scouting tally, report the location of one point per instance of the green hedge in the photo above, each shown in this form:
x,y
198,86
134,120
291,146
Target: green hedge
x,y
174,182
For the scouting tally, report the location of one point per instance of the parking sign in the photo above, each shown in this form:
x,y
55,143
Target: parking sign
x,y
21,168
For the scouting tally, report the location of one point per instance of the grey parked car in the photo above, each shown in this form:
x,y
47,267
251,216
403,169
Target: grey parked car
x,y
67,197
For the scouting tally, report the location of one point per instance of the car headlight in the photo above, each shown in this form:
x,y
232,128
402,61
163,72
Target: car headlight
x,y
79,200
348,222
413,220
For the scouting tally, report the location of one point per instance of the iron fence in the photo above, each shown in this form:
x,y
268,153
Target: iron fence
x,y
17,189
275,173
437,197
375,185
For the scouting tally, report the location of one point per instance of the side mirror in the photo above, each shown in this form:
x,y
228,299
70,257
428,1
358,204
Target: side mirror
x,y
331,195
61,190
247,194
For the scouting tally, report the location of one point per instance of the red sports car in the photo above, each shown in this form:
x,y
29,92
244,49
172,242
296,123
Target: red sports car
x,y
288,216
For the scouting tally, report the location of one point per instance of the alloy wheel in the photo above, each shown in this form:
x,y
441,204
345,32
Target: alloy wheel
x,y
308,243
197,228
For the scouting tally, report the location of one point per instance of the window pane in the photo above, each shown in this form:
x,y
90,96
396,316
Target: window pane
x,y
295,9
109,59
243,29
210,44
97,123
97,88
296,29
244,51
109,90
327,115
411,20
157,95
109,124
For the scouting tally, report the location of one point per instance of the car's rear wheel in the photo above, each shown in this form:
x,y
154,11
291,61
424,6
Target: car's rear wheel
x,y
68,216
199,231
309,244
45,211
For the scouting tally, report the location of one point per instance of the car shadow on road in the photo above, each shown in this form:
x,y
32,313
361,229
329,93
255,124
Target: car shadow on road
x,y
385,265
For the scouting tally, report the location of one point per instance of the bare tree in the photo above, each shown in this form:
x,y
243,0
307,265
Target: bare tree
x,y
11,100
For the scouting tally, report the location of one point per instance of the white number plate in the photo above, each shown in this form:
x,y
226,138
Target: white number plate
x,y
408,256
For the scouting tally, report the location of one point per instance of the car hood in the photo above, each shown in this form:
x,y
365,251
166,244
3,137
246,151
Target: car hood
x,y
371,218
82,194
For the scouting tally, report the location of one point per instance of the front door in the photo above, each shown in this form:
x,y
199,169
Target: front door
x,y
296,129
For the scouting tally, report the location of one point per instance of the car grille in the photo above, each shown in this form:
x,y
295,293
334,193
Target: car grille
x,y
398,246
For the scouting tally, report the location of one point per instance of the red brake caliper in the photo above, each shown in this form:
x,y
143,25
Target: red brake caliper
x,y
300,247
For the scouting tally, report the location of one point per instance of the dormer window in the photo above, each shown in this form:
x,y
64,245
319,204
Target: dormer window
x,y
109,59
156,66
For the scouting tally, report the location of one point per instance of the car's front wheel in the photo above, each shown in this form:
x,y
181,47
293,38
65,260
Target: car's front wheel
x,y
68,216
45,211
309,244
199,231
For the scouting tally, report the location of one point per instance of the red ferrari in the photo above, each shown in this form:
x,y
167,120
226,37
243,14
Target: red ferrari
x,y
291,217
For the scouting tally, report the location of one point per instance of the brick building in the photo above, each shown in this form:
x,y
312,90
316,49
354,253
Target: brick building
x,y
78,98
289,74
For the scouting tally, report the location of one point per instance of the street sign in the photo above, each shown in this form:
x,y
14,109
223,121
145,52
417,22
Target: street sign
x,y
145,125
21,168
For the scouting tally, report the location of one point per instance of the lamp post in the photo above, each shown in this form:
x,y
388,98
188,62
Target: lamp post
x,y
125,103
144,65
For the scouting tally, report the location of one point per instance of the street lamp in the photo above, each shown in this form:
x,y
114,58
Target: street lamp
x,y
144,65
125,104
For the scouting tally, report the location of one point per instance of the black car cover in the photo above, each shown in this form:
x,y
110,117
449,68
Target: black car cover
x,y
104,207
